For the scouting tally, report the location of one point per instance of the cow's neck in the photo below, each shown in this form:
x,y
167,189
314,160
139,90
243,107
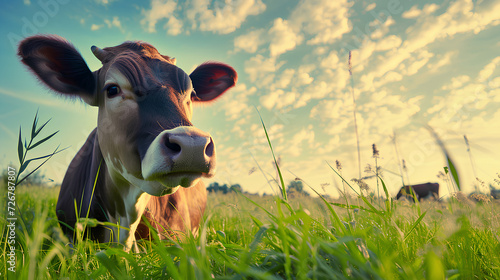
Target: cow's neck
x,y
126,204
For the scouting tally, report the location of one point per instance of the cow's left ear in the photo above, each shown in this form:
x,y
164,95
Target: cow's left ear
x,y
59,66
210,80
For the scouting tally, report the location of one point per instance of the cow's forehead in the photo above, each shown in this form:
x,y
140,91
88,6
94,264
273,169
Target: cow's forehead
x,y
144,67
142,49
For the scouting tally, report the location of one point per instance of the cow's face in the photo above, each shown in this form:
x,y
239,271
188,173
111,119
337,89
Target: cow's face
x,y
145,108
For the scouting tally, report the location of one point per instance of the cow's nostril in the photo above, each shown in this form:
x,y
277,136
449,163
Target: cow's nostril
x,y
172,146
209,150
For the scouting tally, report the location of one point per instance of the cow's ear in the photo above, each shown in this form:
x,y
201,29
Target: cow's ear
x,y
210,80
59,66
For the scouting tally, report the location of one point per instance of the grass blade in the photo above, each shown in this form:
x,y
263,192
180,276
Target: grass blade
x,y
111,265
41,127
388,199
449,161
43,140
434,267
47,156
33,128
454,172
282,187
417,222
20,147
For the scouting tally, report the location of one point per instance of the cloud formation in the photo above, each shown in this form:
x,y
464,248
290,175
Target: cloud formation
x,y
220,17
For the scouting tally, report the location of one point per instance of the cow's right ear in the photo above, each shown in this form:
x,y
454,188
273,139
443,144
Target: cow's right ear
x,y
59,66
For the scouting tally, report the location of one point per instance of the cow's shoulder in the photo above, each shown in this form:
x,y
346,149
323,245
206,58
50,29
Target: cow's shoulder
x,y
78,184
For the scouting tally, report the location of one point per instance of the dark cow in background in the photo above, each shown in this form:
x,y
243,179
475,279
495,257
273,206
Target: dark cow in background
x,y
145,157
422,191
495,193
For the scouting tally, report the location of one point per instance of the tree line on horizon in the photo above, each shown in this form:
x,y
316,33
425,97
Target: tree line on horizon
x,y
293,188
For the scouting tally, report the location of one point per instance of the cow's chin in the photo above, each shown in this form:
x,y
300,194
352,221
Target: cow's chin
x,y
170,183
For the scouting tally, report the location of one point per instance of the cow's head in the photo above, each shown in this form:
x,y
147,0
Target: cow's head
x,y
145,108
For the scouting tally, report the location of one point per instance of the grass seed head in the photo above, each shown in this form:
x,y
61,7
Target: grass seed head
x,y
339,165
368,168
376,152
480,197
362,185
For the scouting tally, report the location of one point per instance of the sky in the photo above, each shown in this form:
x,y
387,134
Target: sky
x,y
414,64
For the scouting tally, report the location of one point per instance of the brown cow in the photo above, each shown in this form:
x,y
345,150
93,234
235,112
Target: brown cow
x,y
144,147
495,193
422,191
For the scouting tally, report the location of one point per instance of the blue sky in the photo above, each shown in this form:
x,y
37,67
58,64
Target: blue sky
x,y
413,63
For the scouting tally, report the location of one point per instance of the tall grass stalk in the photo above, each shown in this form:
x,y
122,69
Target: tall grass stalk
x,y
282,187
449,161
23,149
376,155
471,162
398,158
354,114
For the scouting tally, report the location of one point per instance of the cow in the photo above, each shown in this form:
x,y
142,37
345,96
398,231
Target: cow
x,y
495,193
145,158
422,191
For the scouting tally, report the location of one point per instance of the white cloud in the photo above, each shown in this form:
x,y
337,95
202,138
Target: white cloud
x,y
388,43
303,76
259,67
390,77
221,17
278,99
325,20
236,105
160,9
370,7
381,29
416,62
443,59
331,61
488,70
103,2
456,82
173,26
284,79
414,12
457,19
283,37
225,17
466,100
386,112
251,41
27,2
332,109
114,23
95,27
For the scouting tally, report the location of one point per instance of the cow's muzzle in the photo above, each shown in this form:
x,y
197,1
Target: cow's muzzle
x,y
179,157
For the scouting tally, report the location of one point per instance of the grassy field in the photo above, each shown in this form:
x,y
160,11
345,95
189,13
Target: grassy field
x,y
251,237
272,238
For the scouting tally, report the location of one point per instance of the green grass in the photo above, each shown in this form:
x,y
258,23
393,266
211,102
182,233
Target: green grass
x,y
270,238
252,237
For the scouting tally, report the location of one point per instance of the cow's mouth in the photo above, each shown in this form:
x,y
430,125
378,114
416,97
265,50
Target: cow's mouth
x,y
182,179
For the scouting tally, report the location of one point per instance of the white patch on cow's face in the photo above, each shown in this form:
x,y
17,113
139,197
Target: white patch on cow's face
x,y
118,121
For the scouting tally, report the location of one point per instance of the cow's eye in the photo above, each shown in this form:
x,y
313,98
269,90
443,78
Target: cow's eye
x,y
113,91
